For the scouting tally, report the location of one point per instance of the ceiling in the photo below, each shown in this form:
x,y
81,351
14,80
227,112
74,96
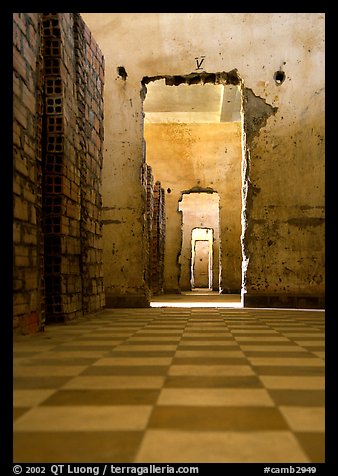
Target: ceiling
x,y
197,103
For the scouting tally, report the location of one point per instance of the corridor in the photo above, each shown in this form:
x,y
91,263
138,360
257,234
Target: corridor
x,y
168,384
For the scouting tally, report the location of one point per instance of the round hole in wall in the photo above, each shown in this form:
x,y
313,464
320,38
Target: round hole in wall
x,y
279,77
168,190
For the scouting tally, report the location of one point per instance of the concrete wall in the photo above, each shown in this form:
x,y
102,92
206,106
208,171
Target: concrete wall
x,y
283,241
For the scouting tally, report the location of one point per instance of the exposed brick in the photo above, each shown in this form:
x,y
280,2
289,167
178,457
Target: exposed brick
x,y
16,136
30,277
29,54
19,112
70,164
21,258
21,309
28,99
32,36
19,63
21,166
29,236
30,324
20,20
17,85
29,147
16,233
20,209
17,37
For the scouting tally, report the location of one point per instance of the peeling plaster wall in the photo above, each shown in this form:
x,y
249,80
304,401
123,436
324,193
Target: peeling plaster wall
x,y
283,241
124,206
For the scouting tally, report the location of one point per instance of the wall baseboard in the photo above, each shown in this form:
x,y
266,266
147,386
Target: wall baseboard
x,y
125,301
285,301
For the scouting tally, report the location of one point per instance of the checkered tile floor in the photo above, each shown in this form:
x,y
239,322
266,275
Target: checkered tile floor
x,y
172,385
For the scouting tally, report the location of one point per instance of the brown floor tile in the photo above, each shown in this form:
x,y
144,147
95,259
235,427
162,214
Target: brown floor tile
x,y
305,398
107,339
103,397
311,361
288,370
18,411
20,355
266,343
158,341
77,447
217,418
206,348
204,332
126,370
308,337
110,382
63,348
41,360
314,348
314,445
210,361
37,371
152,335
186,338
249,381
141,353
302,354
40,382
118,360
211,370
142,366
293,382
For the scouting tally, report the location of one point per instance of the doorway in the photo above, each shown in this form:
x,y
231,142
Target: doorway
x,y
199,223
193,142
201,258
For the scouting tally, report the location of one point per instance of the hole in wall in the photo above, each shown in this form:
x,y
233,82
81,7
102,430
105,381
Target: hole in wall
x,y
180,125
122,72
279,77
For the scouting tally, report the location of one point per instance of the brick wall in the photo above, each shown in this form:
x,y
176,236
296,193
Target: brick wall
x,y
158,240
57,135
27,172
89,91
154,224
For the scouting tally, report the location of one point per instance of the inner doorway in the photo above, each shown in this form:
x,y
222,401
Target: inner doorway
x,y
193,142
201,258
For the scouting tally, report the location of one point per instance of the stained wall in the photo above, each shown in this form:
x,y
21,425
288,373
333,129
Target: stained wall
x,y
283,171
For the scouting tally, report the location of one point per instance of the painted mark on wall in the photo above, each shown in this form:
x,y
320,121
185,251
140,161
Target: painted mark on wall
x,y
199,62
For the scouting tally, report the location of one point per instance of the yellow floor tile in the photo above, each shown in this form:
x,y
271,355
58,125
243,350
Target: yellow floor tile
x,y
115,381
84,418
304,418
215,397
293,382
162,446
